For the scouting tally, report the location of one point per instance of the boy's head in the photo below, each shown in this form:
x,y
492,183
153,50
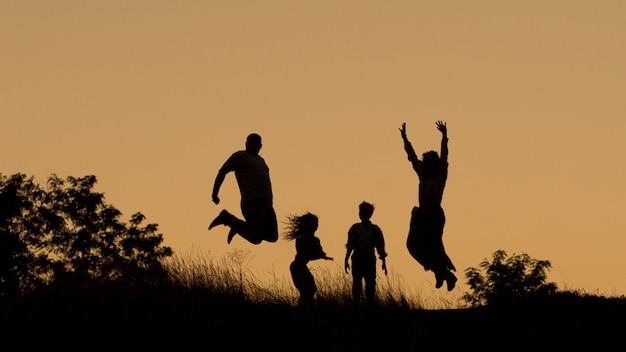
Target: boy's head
x,y
366,210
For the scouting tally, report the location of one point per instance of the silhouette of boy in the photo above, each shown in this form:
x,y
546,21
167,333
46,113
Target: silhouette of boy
x,y
308,247
425,241
253,179
363,239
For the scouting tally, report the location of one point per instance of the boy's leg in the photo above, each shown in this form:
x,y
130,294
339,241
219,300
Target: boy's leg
x,y
357,284
370,280
370,289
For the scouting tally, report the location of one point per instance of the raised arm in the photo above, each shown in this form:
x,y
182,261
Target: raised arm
x,y
441,126
408,147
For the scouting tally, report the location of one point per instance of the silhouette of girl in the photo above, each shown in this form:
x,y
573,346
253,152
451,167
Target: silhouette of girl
x,y
425,242
308,247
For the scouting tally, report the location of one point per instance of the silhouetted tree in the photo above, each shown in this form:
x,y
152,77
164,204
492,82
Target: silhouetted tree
x,y
67,232
23,264
507,279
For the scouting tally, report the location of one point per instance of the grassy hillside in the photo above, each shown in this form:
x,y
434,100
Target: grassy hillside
x,y
207,306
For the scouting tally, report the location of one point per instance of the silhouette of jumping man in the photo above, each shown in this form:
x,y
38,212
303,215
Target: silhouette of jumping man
x,y
363,238
425,240
254,183
308,247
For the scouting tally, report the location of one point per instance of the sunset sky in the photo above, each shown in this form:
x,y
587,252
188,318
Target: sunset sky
x,y
153,96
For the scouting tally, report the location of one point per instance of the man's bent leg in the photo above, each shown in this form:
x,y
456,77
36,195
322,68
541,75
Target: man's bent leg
x,y
269,224
261,221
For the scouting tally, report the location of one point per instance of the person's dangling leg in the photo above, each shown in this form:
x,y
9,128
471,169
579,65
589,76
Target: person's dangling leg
x,y
442,262
440,277
415,239
451,280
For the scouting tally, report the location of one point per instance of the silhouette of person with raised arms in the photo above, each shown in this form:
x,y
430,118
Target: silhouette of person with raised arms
x,y
425,239
253,179
364,238
308,247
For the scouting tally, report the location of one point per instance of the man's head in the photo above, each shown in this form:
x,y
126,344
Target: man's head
x,y
366,210
253,143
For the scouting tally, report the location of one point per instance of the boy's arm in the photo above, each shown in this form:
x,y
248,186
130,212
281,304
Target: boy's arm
x,y
346,263
380,248
384,265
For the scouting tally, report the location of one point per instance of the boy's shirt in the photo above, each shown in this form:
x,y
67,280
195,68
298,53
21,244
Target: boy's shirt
x,y
363,238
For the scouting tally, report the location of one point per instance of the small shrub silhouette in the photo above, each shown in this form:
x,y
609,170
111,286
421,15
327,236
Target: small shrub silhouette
x,y
507,279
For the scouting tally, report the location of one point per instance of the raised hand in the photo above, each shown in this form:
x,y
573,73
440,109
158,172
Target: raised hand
x,y
441,126
403,130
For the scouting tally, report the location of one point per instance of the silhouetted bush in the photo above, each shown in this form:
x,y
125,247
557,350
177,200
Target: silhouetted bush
x,y
506,280
67,233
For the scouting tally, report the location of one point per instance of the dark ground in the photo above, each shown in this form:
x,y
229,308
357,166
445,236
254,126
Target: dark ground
x,y
146,323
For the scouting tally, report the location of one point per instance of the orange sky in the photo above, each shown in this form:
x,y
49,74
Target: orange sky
x,y
153,96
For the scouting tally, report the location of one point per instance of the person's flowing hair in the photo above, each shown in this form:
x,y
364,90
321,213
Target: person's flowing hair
x,y
297,225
